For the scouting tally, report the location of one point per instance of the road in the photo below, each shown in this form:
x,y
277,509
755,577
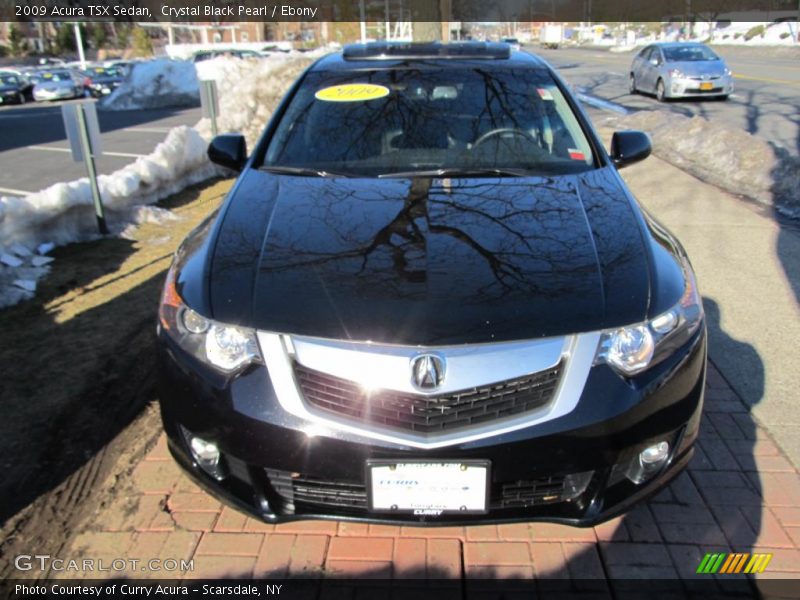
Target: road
x,y
766,101
34,152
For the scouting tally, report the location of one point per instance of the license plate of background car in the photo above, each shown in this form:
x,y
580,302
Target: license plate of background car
x,y
429,487
706,86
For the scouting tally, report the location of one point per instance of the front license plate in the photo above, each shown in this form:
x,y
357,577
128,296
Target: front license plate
x,y
707,86
428,488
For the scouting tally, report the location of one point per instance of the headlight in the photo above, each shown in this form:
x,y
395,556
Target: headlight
x,y
728,71
226,347
631,350
676,73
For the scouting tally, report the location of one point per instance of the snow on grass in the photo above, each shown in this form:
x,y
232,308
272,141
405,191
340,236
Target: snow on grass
x,y
731,159
249,90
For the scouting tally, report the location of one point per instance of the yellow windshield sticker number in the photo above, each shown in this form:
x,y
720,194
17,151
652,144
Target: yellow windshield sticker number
x,y
352,92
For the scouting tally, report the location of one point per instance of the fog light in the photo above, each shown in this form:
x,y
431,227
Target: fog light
x,y
654,455
648,462
206,454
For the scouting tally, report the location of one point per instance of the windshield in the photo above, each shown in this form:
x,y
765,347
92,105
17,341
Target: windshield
x,y
370,123
8,79
45,76
103,72
688,53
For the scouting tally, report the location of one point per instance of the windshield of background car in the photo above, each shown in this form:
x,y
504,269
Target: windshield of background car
x,y
45,76
9,80
103,72
688,53
369,123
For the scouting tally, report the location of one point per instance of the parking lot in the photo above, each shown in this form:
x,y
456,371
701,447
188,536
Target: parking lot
x,y
117,492
35,153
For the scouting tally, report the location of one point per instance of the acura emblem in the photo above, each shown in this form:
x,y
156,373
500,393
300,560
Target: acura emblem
x,y
427,371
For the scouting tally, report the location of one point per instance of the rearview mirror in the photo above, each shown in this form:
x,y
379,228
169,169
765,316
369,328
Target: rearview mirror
x,y
628,147
228,150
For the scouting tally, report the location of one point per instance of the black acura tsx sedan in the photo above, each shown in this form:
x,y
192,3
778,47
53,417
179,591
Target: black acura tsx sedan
x,y
430,298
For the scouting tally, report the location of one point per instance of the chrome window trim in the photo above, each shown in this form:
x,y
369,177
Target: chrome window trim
x,y
577,353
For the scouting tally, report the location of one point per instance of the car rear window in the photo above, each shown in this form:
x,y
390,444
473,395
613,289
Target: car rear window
x,y
689,53
369,123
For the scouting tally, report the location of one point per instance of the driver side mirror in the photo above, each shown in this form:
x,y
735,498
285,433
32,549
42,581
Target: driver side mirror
x,y
628,147
228,150
655,62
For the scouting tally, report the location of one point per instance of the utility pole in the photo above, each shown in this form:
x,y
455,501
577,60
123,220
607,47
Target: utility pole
x,y
79,44
362,15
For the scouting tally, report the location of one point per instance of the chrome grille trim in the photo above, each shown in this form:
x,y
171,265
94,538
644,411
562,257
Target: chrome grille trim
x,y
576,353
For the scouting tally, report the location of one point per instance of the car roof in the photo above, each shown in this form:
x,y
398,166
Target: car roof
x,y
676,44
391,54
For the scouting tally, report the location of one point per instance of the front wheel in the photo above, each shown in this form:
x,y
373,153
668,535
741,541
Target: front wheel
x,y
632,84
660,91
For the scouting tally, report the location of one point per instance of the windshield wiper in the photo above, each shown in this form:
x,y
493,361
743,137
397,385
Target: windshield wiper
x,y
461,172
302,171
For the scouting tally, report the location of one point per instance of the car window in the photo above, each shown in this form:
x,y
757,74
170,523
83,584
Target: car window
x,y
54,76
645,54
9,80
382,121
689,53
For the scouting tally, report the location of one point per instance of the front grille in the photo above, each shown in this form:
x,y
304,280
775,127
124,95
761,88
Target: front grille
x,y
294,488
297,490
427,414
523,494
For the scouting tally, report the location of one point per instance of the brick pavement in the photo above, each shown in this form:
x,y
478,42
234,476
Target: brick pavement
x,y
739,494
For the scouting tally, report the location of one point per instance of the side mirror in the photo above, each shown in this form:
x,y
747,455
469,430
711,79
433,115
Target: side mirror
x,y
228,150
655,62
628,147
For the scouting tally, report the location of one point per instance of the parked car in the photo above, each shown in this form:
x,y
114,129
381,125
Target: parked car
x,y
209,54
680,70
14,89
513,42
101,81
431,298
55,84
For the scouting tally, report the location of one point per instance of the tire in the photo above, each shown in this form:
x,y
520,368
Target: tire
x,y
632,85
661,91
722,98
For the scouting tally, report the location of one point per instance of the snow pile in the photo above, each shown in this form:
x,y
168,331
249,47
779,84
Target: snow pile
x,y
732,159
64,212
757,34
249,91
156,84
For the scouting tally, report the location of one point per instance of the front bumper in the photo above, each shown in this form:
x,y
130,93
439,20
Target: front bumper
x,y
687,87
275,470
59,94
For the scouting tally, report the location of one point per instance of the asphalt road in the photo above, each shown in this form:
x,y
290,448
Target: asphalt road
x,y
766,101
34,152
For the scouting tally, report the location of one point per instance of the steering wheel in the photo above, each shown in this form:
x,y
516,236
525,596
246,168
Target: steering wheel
x,y
513,131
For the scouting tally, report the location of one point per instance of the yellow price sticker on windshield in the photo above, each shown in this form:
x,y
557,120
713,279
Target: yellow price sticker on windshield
x,y
352,92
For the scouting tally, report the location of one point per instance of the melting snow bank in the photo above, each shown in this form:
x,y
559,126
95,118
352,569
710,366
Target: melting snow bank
x,y
156,84
731,159
64,212
249,91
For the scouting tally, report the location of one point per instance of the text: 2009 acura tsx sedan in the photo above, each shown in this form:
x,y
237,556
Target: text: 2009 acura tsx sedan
x,y
429,297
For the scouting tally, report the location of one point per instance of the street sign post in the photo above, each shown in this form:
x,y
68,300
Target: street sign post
x,y
83,133
209,102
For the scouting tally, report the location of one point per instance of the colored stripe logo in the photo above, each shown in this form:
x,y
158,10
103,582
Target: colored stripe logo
x,y
737,562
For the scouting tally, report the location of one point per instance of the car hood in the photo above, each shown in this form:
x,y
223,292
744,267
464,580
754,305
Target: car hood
x,y
429,261
698,68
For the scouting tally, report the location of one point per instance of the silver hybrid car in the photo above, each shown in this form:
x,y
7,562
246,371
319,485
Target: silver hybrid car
x,y
680,70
